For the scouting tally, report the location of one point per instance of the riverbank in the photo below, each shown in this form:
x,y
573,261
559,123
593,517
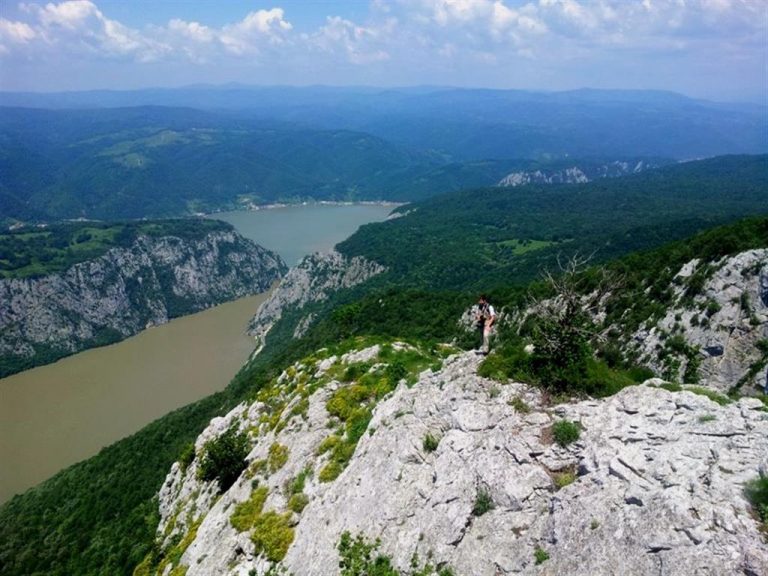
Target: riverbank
x,y
55,415
251,207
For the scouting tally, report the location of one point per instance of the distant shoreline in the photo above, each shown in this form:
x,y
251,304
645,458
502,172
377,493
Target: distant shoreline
x,y
258,207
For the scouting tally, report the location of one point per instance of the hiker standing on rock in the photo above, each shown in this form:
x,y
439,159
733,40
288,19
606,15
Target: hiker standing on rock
x,y
486,317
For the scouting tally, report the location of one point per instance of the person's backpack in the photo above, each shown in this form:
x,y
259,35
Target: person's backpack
x,y
484,314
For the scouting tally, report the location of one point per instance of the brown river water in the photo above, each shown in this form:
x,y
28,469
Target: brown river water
x,y
59,414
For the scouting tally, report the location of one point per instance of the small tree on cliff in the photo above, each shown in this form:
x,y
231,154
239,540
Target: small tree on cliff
x,y
561,327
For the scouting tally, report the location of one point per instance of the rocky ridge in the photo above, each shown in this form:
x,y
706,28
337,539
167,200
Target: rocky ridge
x,y
314,278
654,484
574,174
724,326
126,290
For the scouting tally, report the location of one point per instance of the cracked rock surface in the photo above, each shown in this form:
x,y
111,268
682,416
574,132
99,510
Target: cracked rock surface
x,y
654,485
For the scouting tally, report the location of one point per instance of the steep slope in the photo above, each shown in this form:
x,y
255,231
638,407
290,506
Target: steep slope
x,y
716,334
314,279
653,484
127,288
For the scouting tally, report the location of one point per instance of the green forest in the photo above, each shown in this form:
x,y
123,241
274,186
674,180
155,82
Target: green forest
x,y
489,237
30,252
99,516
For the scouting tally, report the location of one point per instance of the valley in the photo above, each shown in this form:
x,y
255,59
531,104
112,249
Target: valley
x,y
379,323
55,415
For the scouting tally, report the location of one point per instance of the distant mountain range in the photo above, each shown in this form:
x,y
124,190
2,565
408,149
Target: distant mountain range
x,y
474,124
158,153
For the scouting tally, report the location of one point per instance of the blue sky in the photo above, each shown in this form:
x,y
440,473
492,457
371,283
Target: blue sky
x,y
715,49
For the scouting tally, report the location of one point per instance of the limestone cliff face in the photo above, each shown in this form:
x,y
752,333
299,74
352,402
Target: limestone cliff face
x,y
574,174
127,289
312,280
724,326
654,484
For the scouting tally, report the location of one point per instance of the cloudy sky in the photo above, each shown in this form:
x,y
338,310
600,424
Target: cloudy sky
x,y
715,49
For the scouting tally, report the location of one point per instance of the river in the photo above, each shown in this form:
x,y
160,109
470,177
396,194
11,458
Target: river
x,y
295,231
55,415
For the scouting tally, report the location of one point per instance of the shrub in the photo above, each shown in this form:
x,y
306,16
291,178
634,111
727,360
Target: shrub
x,y
519,405
272,535
330,472
358,557
297,484
430,443
540,555
483,503
757,494
298,502
278,456
565,432
224,458
246,513
187,456
563,478
357,424
716,397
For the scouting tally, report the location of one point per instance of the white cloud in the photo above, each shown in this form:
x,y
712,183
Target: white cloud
x,y
359,44
79,26
246,36
14,33
462,39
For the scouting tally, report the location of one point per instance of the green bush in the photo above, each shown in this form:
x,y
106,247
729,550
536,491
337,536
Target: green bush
x,y
430,443
563,478
519,405
297,484
565,432
540,555
757,494
330,472
224,458
483,503
246,513
272,535
716,397
278,456
187,456
358,557
298,502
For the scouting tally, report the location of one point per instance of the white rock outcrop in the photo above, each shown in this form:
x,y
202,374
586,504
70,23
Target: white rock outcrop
x,y
314,278
724,324
654,484
574,174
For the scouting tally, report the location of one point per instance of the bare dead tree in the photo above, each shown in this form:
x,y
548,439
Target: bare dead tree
x,y
563,322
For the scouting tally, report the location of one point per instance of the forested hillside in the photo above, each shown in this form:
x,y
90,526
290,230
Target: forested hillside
x,y
489,237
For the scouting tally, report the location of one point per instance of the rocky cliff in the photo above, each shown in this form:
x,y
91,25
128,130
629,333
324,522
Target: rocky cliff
x,y
716,332
575,174
124,291
312,280
470,474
